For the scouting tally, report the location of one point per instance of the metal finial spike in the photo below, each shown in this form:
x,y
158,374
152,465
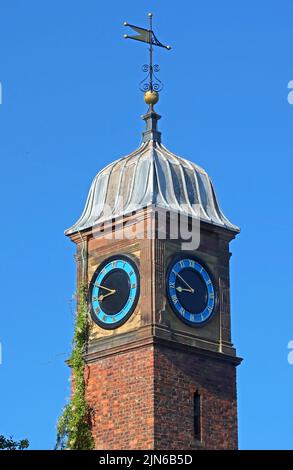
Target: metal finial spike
x,y
125,23
148,36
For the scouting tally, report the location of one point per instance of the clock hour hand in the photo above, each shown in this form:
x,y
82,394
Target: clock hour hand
x,y
181,289
103,296
190,288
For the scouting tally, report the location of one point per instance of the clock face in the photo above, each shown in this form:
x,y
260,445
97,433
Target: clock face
x,y
190,291
114,291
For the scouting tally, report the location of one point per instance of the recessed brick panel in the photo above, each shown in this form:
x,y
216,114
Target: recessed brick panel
x,y
178,375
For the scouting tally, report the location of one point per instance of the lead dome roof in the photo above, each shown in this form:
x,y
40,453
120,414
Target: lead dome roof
x,y
151,176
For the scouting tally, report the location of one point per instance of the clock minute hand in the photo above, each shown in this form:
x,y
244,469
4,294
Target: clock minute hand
x,y
190,288
106,288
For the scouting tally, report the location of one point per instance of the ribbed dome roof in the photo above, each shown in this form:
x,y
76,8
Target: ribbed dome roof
x,y
151,176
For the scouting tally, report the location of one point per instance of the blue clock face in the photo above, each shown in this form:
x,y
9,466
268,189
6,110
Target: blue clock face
x,y
190,291
114,291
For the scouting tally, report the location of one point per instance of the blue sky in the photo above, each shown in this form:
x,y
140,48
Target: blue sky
x,y
70,106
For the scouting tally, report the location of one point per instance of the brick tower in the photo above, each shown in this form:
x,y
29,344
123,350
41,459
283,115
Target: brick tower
x,y
161,367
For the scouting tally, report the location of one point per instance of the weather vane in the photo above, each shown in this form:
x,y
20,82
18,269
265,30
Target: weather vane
x,y
150,83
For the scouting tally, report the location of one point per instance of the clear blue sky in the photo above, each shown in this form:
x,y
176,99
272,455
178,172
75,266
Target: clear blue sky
x,y
71,105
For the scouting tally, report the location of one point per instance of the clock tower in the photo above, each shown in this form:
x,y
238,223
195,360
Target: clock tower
x,y
153,248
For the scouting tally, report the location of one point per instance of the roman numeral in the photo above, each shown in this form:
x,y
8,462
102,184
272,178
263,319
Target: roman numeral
x,y
174,299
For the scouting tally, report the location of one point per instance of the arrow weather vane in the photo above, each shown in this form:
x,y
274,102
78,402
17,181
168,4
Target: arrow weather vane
x,y
148,36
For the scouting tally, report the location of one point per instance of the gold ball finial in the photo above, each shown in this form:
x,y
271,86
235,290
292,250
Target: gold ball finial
x,y
151,97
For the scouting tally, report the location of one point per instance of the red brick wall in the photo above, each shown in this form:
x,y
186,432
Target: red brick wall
x,y
178,376
143,399
120,388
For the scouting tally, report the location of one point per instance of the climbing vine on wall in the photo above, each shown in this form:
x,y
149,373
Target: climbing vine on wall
x,y
74,425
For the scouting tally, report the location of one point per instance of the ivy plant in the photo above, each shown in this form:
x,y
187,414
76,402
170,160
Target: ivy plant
x,y
74,425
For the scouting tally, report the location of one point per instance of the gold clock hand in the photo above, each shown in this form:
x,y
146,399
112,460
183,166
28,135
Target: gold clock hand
x,y
102,297
180,277
106,288
181,289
